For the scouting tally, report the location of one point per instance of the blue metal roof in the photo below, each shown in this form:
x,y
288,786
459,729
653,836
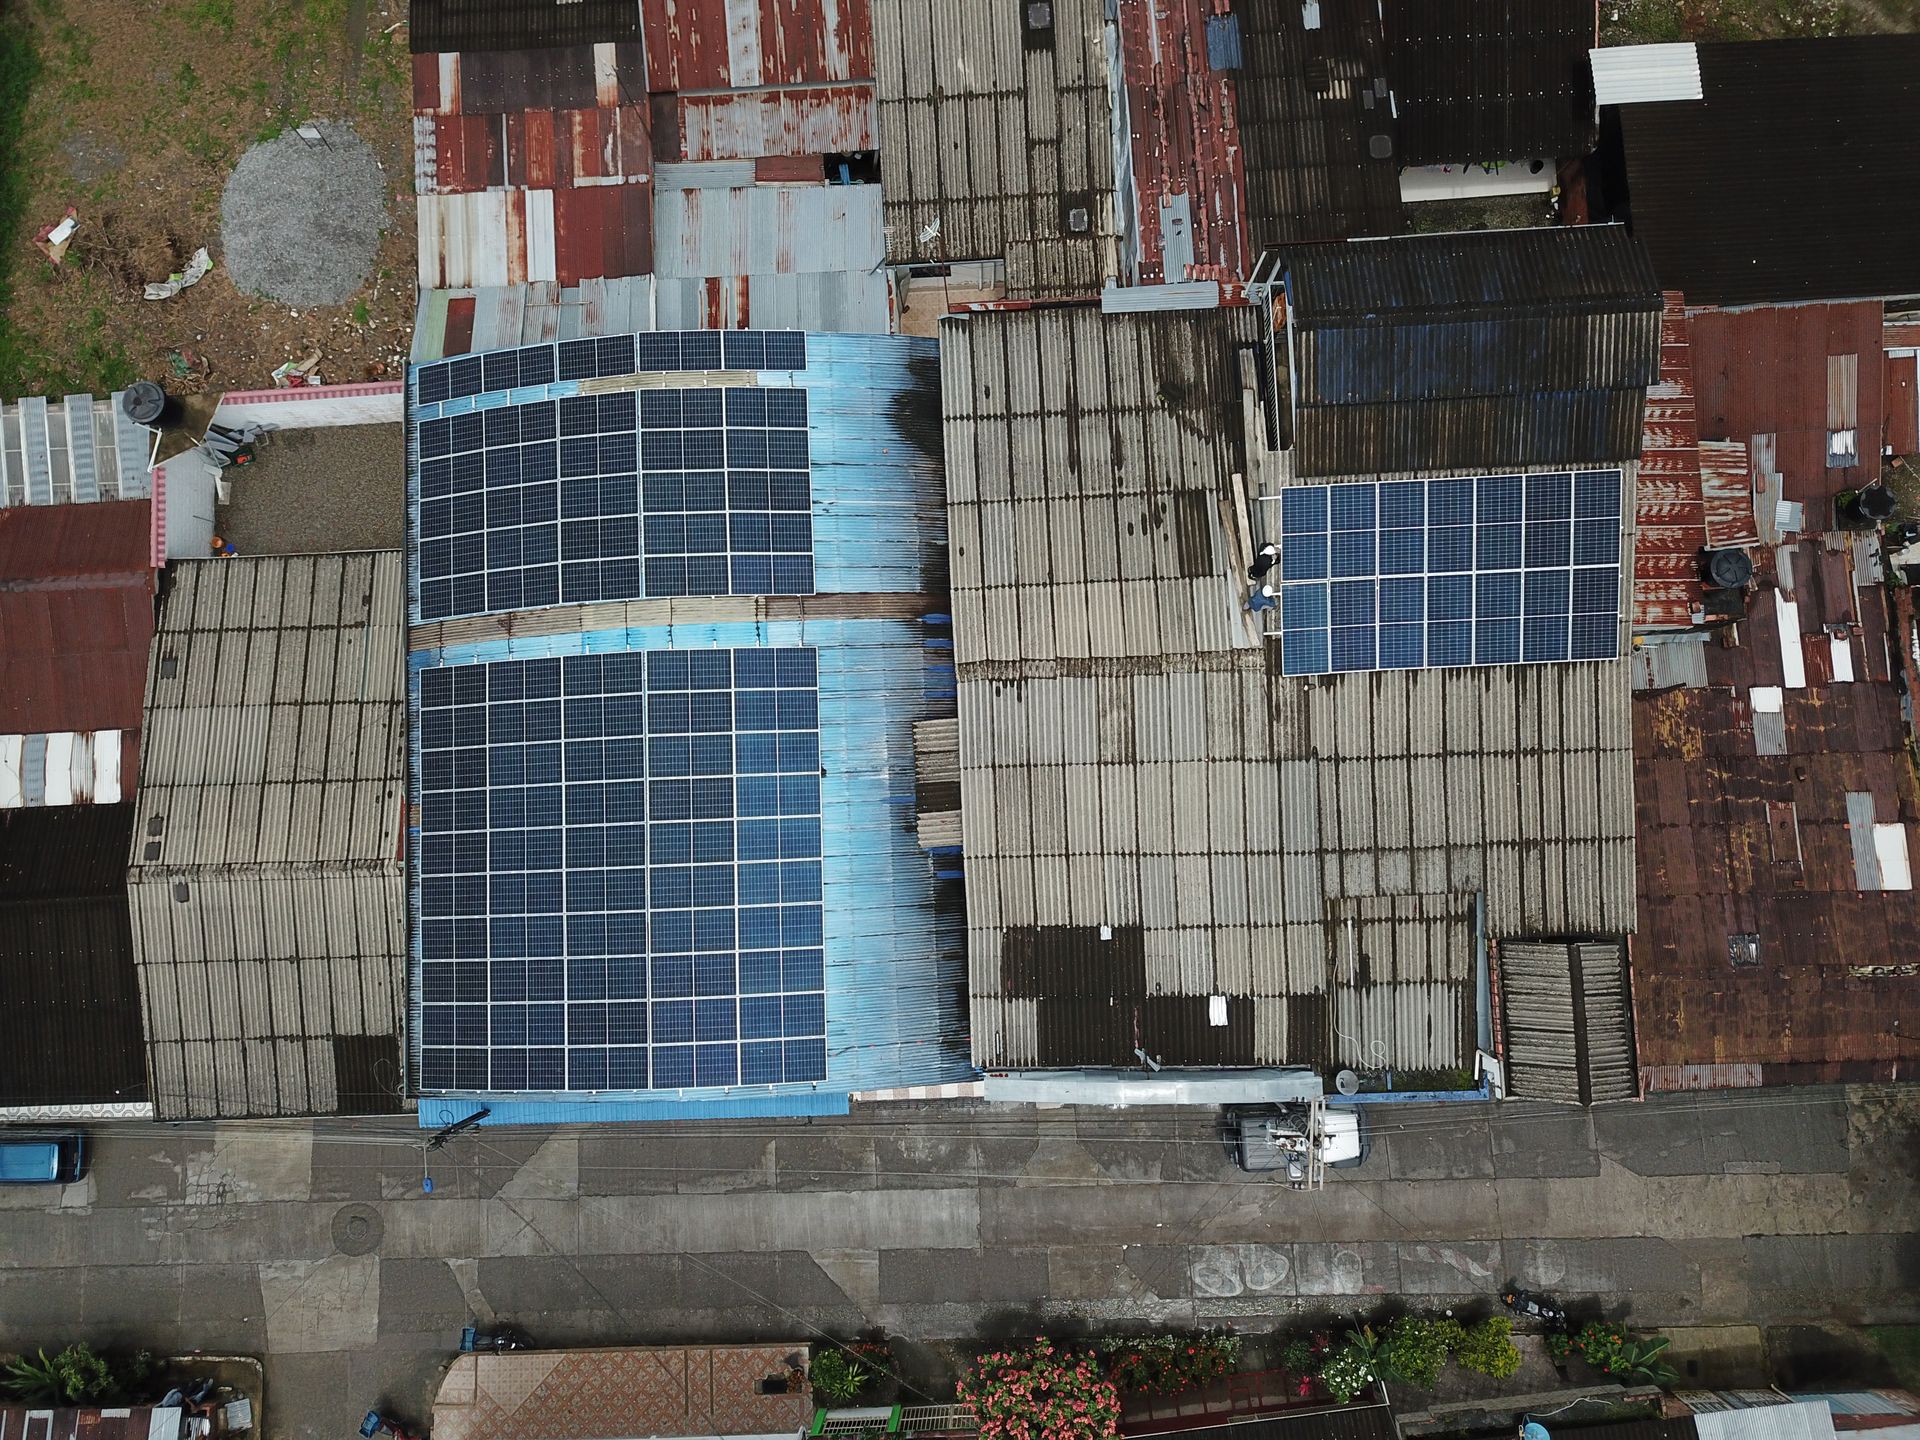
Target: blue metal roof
x,y
892,935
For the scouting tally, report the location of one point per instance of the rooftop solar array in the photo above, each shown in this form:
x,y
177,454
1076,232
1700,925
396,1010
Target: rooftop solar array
x,y
620,872
532,494
598,359
1492,570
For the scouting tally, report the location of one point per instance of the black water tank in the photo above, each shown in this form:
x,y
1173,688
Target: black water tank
x,y
1728,569
144,402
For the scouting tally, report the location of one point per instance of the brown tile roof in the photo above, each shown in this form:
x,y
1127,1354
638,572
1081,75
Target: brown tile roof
x,y
613,1394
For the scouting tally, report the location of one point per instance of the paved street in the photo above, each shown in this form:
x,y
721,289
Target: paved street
x,y
321,1250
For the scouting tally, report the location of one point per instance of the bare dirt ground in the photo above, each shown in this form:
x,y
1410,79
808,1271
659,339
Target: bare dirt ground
x,y
135,114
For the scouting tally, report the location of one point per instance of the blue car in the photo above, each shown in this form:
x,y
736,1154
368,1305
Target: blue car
x,y
42,1159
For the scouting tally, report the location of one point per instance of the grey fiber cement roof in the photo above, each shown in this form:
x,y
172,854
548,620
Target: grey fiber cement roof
x,y
267,881
1308,849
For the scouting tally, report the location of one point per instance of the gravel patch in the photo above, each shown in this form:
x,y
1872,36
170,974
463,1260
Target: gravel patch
x,y
328,489
301,219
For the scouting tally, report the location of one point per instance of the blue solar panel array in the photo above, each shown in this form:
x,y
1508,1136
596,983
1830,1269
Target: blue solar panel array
x,y
1494,570
597,359
619,861
552,497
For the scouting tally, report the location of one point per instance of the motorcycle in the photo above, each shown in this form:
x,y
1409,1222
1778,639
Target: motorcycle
x,y
378,1424
495,1342
1535,1307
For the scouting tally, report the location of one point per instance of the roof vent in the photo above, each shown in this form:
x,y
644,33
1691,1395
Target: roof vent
x,y
1728,569
1380,147
180,891
1036,31
1347,1083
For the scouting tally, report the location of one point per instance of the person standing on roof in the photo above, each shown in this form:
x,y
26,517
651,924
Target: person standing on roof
x,y
1268,557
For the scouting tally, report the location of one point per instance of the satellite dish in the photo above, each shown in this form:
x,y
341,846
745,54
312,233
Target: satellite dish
x,y
1347,1083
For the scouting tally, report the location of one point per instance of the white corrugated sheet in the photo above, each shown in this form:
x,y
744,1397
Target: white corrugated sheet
x,y
62,768
1643,74
62,452
1800,1420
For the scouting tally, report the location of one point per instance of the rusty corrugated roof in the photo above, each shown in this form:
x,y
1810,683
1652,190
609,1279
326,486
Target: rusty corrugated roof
x,y
1765,371
716,45
1742,816
76,615
1669,520
532,165
810,120
434,25
1189,174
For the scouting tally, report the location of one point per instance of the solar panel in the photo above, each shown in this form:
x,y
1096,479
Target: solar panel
x,y
584,498
619,872
603,357
1490,570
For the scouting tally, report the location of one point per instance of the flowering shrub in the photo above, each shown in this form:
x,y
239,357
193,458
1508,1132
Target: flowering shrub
x,y
1598,1343
1169,1364
1349,1370
1040,1393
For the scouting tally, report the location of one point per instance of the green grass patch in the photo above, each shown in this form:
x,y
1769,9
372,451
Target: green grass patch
x,y
212,15
1900,1344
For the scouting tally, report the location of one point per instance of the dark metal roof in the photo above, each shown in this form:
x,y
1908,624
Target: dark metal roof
x,y
1790,179
1348,1422
69,1001
1509,347
518,24
1481,80
1314,109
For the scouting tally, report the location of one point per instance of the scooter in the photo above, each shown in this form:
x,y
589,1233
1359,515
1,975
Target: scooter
x,y
378,1424
495,1342
1535,1307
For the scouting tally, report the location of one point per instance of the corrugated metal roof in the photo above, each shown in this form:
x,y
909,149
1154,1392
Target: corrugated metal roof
x,y
1316,117
530,149
1188,174
733,254
1475,82
76,614
1000,146
62,768
68,998
1484,348
802,121
1567,1022
1641,74
518,24
1726,240
1764,372
1349,1422
1309,851
532,166
456,322
1741,792
268,885
1669,515
728,45
570,78
508,237
59,452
